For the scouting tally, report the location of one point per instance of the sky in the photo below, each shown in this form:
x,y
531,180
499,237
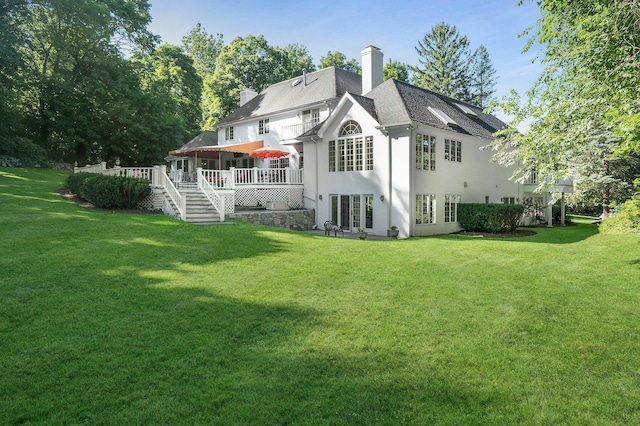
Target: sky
x,y
349,26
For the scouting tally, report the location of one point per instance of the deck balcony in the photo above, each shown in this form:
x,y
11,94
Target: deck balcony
x,y
295,130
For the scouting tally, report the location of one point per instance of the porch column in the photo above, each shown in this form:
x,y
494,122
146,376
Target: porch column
x,y
562,210
549,210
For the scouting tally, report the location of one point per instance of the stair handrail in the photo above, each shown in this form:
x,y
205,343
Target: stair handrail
x,y
216,200
178,200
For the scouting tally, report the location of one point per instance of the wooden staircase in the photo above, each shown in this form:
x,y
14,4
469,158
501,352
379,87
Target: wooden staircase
x,y
199,208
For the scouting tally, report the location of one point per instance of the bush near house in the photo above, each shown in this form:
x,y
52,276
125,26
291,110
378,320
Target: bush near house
x,y
626,221
110,192
478,217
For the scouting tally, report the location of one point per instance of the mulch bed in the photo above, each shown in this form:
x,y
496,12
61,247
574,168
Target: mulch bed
x,y
517,233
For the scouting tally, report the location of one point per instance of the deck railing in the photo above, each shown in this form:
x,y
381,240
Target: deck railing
x,y
229,179
205,186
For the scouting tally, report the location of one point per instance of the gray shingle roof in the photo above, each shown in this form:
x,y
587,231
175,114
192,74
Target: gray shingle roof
x,y
206,138
398,103
326,84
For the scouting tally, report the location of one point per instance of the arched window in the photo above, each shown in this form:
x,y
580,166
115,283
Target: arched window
x,y
352,152
350,128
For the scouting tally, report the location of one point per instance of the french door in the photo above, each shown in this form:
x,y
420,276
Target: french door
x,y
352,211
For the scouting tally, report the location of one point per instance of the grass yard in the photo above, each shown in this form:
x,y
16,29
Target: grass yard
x,y
141,319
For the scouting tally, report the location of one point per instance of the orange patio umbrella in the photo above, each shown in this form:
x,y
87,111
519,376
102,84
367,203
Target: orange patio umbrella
x,y
268,152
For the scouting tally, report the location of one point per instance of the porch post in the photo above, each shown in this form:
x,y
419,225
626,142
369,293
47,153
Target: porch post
x,y
198,175
549,210
562,210
232,181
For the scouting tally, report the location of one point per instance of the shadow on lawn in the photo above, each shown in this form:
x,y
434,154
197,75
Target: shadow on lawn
x,y
120,354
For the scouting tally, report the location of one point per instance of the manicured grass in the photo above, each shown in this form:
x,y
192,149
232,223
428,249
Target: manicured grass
x,y
140,319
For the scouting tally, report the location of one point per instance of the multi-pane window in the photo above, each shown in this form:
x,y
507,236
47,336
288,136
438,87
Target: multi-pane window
x,y
369,153
263,126
355,211
451,207
359,149
278,163
368,212
425,209
228,133
351,153
508,200
453,150
425,152
332,156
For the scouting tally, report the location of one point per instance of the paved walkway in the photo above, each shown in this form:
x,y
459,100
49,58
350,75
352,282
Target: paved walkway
x,y
351,235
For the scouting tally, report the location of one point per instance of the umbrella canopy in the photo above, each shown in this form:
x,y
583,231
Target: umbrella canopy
x,y
268,152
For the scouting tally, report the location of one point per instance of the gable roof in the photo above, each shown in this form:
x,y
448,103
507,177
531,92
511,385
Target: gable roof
x,y
324,85
401,103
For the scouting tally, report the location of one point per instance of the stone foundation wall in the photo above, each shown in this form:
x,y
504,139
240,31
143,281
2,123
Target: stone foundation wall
x,y
298,220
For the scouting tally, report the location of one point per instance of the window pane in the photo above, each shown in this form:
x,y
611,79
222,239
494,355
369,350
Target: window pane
x,y
368,200
332,156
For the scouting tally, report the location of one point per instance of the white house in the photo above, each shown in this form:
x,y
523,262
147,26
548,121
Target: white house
x,y
370,154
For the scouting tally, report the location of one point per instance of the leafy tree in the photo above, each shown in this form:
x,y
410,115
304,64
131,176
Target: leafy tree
x,y
68,53
168,70
203,49
586,102
339,60
297,59
251,62
444,62
483,77
396,70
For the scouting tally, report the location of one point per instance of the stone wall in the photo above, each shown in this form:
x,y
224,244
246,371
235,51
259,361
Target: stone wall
x,y
299,220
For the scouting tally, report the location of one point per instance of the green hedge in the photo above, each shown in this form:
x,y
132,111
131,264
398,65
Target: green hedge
x,y
109,192
75,182
479,217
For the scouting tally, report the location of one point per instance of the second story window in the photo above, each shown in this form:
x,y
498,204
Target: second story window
x,y
425,152
453,150
263,126
351,152
228,133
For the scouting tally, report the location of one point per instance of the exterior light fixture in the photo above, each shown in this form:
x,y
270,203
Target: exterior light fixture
x,y
382,198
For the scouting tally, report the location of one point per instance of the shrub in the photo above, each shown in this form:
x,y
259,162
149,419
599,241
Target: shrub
x,y
75,182
478,217
627,221
115,192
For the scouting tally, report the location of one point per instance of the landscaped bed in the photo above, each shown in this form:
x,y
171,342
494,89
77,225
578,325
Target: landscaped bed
x,y
131,319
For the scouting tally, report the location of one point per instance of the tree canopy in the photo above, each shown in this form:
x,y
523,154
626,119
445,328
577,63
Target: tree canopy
x,y
339,60
586,101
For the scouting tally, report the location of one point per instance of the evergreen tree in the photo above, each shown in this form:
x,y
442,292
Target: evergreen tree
x,y
444,62
483,77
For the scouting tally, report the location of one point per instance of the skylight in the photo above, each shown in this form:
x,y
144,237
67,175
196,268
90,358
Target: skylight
x,y
467,110
443,117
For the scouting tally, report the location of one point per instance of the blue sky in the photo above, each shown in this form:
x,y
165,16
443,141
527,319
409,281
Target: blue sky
x,y
349,26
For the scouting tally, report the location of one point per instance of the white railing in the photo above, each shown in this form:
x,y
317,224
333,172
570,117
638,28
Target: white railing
x,y
176,197
222,179
295,130
255,176
205,186
137,172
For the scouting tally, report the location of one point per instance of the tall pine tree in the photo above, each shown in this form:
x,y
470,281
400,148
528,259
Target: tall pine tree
x,y
444,62
483,77
446,66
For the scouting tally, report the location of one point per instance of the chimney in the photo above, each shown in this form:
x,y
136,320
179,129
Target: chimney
x,y
372,65
246,95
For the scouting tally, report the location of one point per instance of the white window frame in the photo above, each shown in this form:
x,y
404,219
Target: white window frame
x,y
228,133
451,202
263,126
425,152
453,150
425,209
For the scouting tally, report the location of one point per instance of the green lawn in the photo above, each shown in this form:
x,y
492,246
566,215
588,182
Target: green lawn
x,y
141,319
